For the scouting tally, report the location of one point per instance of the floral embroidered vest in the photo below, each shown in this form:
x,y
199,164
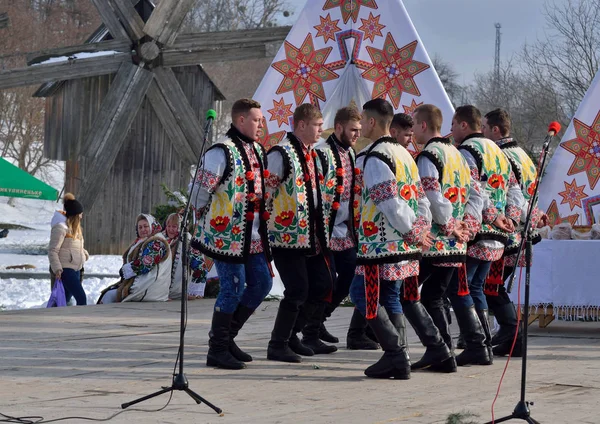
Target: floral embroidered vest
x,y
526,174
378,241
494,169
225,229
332,183
455,183
296,222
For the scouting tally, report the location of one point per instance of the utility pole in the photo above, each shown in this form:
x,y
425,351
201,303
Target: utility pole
x,y
497,59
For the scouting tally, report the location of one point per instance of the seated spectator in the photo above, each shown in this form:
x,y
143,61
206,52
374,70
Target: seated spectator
x,y
146,270
196,273
4,233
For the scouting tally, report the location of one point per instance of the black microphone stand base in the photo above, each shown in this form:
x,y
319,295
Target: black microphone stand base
x,y
180,383
521,412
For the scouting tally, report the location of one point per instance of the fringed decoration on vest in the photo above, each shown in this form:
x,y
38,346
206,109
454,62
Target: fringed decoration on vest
x,y
411,289
463,284
494,278
372,290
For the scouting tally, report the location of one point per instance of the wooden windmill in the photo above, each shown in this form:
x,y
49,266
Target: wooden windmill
x,y
134,71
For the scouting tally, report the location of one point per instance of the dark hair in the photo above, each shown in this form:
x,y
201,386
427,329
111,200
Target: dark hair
x,y
242,107
345,115
306,112
381,110
431,114
402,121
499,118
469,114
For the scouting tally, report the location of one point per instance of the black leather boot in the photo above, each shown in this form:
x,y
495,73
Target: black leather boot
x,y
506,315
357,338
218,351
476,352
395,362
240,316
311,331
326,336
279,349
484,318
440,320
437,352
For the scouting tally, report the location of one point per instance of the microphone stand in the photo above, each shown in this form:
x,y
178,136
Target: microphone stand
x,y
521,411
180,381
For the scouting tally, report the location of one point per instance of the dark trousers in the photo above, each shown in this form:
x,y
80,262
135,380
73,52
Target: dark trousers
x,y
342,267
435,281
502,298
71,280
307,282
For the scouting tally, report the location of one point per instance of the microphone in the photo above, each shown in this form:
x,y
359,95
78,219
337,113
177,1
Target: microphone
x,y
553,129
211,115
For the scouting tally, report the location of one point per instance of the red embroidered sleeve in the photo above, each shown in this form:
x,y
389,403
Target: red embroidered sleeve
x,y
473,224
415,235
207,180
490,215
272,181
513,213
430,184
448,228
383,191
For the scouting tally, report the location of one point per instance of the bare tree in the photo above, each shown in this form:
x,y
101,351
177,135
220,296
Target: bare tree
x,y
569,56
449,78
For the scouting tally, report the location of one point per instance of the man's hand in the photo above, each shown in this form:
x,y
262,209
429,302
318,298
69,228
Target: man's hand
x,y
503,223
461,232
426,241
544,220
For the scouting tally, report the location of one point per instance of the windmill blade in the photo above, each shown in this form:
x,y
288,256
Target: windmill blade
x,y
166,19
108,47
130,18
111,126
66,69
110,19
177,101
170,123
3,20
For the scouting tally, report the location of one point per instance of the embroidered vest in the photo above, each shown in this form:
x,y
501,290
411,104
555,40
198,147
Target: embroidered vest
x,y
494,170
455,183
225,229
333,179
526,174
296,222
378,241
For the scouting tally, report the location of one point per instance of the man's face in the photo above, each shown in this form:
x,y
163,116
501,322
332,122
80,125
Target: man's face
x,y
458,131
143,228
420,131
402,135
367,124
251,124
488,132
350,131
312,130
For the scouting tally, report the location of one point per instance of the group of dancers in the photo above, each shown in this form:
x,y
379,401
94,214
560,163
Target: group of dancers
x,y
400,235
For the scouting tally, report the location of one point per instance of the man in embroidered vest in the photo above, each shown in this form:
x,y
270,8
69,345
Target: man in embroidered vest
x,y
446,180
500,191
229,198
337,160
496,126
393,225
401,129
298,236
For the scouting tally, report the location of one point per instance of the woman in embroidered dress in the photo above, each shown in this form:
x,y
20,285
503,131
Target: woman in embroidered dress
x,y
146,270
197,274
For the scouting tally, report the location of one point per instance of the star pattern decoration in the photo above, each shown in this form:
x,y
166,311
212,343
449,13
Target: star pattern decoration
x,y
371,27
304,71
280,112
554,216
327,28
414,149
409,110
393,70
267,139
586,148
573,194
349,8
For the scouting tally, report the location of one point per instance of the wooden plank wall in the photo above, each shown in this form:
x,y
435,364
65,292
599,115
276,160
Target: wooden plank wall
x,y
146,159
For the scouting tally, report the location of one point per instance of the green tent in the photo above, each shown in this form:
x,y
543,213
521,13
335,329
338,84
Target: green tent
x,y
14,182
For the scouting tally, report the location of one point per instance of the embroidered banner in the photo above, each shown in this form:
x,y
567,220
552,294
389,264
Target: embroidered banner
x,y
346,52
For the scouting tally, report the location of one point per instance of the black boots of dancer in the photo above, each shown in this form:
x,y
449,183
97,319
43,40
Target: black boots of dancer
x,y
506,315
484,318
391,332
476,351
240,316
279,349
219,354
357,337
311,331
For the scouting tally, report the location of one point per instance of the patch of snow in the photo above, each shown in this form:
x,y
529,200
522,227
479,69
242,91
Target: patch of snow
x,y
81,55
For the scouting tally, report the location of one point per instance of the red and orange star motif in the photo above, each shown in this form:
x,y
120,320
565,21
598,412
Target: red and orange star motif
x,y
409,110
393,70
371,27
573,194
304,71
554,217
586,148
327,28
349,8
269,140
280,112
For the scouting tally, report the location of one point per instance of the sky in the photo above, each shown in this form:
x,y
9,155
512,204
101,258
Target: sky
x,y
462,32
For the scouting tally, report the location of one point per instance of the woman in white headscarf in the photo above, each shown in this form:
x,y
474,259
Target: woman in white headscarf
x,y
146,271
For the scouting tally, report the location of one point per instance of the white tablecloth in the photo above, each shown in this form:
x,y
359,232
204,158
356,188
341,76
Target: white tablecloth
x,y
565,274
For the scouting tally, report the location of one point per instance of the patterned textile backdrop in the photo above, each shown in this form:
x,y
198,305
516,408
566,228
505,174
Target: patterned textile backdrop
x,y
570,191
343,52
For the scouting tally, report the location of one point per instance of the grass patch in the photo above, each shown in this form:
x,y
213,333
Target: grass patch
x,y
13,227
461,418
